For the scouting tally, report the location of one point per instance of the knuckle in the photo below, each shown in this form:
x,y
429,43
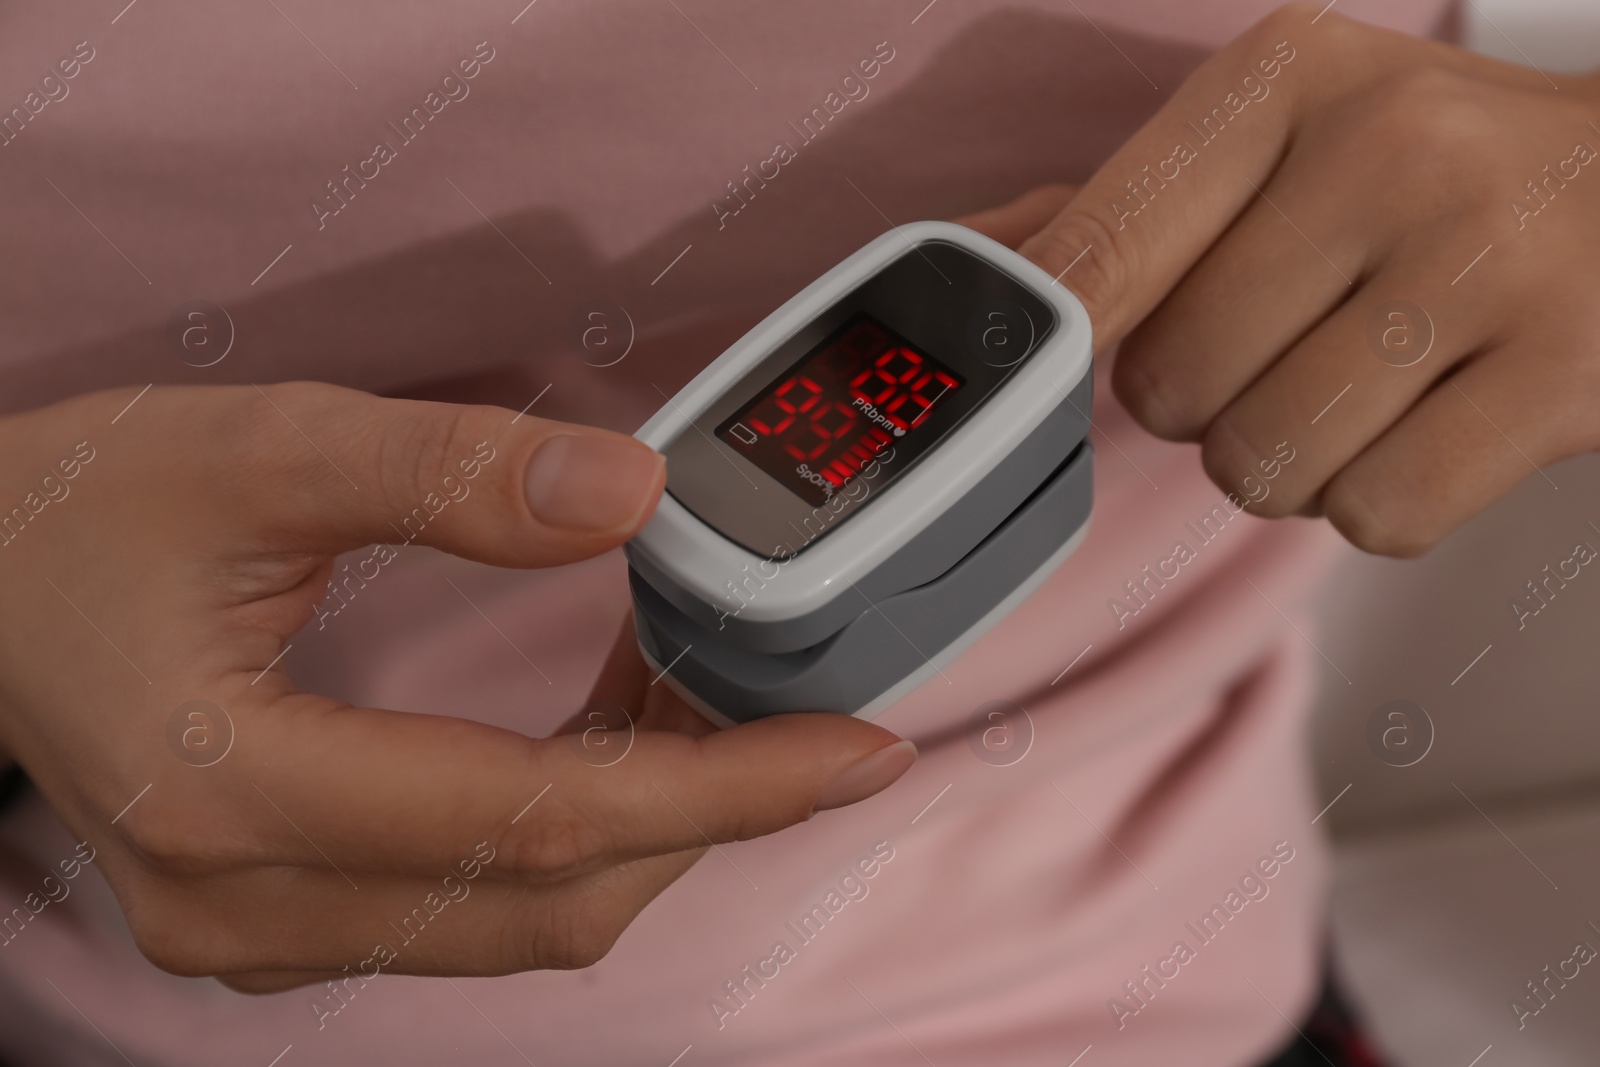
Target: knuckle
x,y
1288,23
305,394
1222,465
577,930
164,952
260,422
275,405
415,454
175,838
1427,116
557,845
1417,93
166,933
431,458
249,429
1139,385
1431,150
1258,482
582,948
1284,17
1279,503
1377,531
1270,502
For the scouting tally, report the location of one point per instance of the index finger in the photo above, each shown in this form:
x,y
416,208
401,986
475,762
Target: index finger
x,y
1166,195
312,783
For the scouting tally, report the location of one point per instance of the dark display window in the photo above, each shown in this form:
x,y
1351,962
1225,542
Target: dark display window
x,y
848,403
861,392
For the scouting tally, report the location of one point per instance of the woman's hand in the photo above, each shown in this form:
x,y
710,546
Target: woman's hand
x,y
157,550
1376,248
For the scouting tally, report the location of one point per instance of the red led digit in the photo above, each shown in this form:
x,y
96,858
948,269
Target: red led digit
x,y
840,415
924,399
913,363
879,379
813,390
840,409
809,445
767,423
774,424
827,423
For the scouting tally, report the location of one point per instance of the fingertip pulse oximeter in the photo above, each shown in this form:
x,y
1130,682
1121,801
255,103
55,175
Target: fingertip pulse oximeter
x,y
866,481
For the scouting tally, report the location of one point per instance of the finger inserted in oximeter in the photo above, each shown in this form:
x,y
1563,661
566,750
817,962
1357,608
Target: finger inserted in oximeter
x,y
866,481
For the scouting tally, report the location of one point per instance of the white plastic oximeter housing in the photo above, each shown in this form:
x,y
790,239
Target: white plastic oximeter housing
x,y
867,480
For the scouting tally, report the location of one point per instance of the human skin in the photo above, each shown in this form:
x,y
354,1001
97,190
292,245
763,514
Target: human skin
x,y
195,535
200,537
1376,169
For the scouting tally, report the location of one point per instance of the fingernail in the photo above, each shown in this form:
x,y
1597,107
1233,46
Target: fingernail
x,y
590,481
868,775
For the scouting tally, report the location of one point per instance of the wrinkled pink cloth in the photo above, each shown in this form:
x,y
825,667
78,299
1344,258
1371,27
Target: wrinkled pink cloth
x,y
1011,909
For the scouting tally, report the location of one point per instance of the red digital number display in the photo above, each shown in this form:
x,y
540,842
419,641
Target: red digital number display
x,y
860,392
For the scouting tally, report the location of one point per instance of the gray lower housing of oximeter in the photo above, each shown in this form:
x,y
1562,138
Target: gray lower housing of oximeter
x,y
925,557
888,639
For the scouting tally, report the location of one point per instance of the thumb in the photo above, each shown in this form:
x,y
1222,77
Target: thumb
x,y
346,469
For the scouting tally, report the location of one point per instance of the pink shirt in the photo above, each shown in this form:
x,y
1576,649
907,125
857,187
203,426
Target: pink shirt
x,y
1145,880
